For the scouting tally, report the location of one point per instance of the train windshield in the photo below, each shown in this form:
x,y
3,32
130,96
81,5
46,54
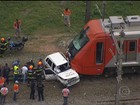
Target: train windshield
x,y
78,42
81,40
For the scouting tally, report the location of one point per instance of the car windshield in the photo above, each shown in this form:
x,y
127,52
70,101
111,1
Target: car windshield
x,y
64,67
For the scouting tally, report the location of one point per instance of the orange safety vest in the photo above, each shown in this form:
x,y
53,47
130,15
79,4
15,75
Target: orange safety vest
x,y
16,87
17,24
2,80
68,12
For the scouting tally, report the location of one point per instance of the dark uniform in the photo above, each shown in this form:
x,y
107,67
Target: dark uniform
x,y
40,89
31,62
39,73
3,46
5,72
32,86
30,76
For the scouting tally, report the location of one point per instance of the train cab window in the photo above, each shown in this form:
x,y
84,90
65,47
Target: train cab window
x,y
99,52
81,40
132,46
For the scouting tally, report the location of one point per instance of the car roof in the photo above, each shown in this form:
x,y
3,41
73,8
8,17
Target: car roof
x,y
57,58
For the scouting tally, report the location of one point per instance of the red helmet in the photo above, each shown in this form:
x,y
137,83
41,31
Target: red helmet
x,y
31,67
39,63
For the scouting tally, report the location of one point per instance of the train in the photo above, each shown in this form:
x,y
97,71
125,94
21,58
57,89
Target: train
x,y
93,51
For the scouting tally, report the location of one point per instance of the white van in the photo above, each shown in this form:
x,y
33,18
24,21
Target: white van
x,y
59,65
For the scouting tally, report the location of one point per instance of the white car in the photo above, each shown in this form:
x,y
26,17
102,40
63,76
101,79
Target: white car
x,y
59,65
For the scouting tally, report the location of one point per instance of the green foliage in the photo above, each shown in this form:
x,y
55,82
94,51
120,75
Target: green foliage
x,y
44,17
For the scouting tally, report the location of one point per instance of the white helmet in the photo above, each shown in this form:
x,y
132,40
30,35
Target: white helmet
x,y
16,81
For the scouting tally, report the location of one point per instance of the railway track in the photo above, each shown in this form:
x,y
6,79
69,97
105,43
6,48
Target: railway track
x,y
135,101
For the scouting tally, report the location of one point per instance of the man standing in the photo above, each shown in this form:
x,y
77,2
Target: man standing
x,y
65,93
39,71
16,90
32,93
5,72
40,89
16,73
17,25
67,14
24,73
3,46
30,75
4,92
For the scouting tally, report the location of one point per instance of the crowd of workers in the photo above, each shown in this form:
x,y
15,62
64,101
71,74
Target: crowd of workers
x,y
28,73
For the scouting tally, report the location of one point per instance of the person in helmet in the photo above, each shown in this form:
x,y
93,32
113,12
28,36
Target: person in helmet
x,y
16,90
3,46
30,74
31,62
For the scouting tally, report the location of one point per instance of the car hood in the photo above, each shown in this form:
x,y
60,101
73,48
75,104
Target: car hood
x,y
70,73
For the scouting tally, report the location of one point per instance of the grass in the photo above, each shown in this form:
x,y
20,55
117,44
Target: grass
x,y
44,17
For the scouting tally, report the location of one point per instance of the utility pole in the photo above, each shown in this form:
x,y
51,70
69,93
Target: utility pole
x,y
103,10
118,64
88,11
119,71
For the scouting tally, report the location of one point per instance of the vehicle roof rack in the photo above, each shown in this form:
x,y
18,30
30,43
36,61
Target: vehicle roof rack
x,y
117,22
133,20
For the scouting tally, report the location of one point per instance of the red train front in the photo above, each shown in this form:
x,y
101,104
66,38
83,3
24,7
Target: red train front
x,y
93,51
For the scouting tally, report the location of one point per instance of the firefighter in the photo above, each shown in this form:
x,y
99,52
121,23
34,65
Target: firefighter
x,y
30,63
5,72
65,93
16,90
3,46
32,87
39,71
16,73
40,89
30,74
67,14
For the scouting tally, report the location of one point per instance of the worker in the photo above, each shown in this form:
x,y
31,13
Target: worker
x,y
5,72
3,46
32,87
2,81
30,74
65,93
16,90
4,92
17,27
16,63
67,13
24,70
40,89
30,63
16,73
39,71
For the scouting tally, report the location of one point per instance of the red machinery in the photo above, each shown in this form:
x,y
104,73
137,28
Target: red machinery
x,y
93,51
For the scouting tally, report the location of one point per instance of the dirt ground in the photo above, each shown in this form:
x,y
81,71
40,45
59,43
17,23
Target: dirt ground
x,y
91,90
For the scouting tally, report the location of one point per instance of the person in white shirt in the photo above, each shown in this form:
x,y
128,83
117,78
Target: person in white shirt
x,y
65,93
4,92
24,70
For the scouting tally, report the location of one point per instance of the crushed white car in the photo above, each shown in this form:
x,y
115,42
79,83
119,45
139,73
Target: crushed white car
x,y
59,65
